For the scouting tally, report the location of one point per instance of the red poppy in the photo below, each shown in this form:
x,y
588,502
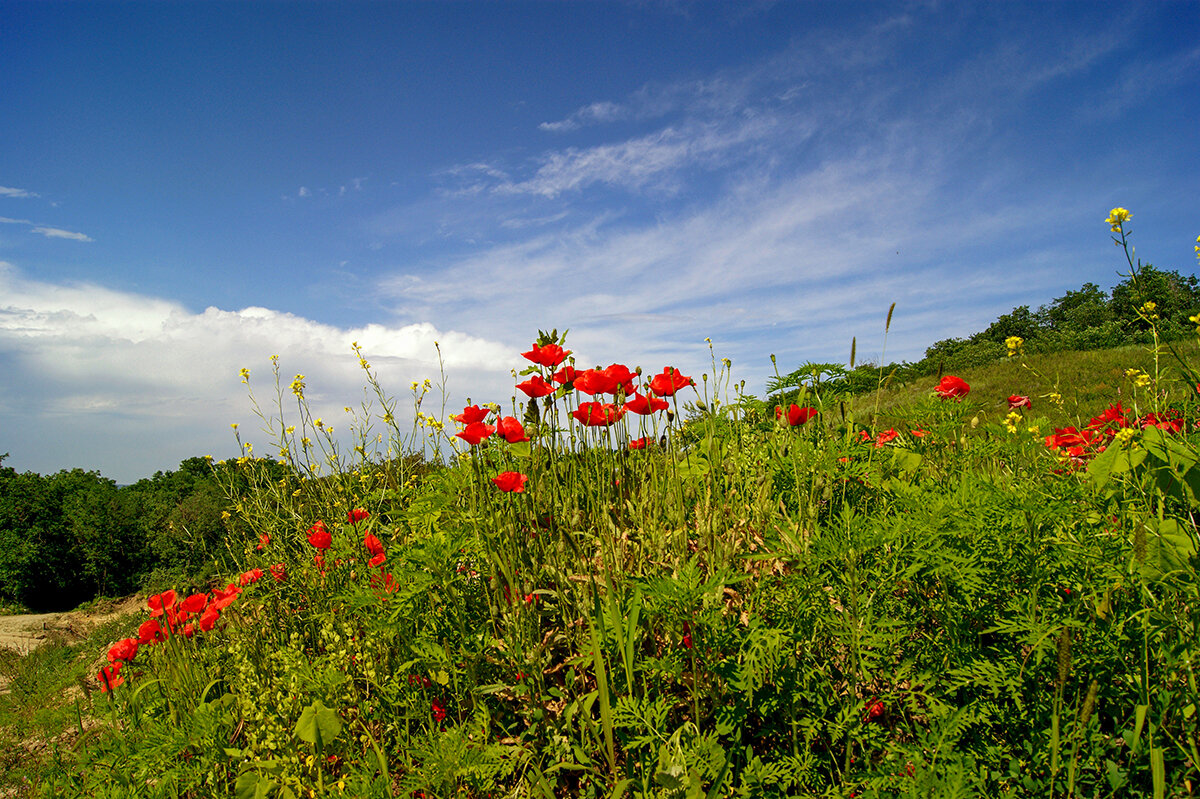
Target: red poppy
x,y
439,710
1167,420
511,430
795,414
566,375
919,433
621,375
151,632
196,603
536,387
252,576
357,515
597,414
210,617
550,355
263,540
885,437
594,381
874,709
687,636
669,381
475,432
470,415
1113,414
319,537
319,560
1068,437
952,387
510,481
638,443
1017,401
279,572
223,599
124,650
110,677
373,544
377,560
161,602
644,404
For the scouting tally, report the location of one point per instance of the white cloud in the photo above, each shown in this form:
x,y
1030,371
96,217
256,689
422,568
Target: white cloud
x,y
83,350
8,191
598,112
48,232
304,192
59,233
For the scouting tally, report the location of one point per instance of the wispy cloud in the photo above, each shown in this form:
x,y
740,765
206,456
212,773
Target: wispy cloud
x,y
598,112
59,233
835,194
8,191
48,232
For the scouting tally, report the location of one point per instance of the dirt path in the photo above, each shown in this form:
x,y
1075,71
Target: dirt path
x,y
27,632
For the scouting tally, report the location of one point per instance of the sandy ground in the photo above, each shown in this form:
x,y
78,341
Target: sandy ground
x,y
27,632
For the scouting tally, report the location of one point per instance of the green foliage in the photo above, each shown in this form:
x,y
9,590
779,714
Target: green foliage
x,y
69,537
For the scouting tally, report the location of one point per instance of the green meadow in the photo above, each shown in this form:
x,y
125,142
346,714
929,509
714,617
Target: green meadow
x,y
971,577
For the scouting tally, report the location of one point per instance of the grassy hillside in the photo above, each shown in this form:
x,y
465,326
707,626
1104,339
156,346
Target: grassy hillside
x,y
1088,381
590,601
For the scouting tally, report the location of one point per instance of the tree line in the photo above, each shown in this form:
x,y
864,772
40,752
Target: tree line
x,y
1085,319
68,537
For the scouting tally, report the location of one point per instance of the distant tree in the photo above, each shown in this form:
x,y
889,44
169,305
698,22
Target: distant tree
x,y
1078,310
1176,296
1021,322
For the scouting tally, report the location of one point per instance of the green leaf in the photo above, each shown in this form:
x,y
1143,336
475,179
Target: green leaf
x,y
318,725
1115,460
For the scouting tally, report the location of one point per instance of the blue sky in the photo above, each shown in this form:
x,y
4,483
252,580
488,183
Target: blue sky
x,y
188,188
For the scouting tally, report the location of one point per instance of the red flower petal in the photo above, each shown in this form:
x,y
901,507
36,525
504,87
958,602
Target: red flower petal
x,y
510,481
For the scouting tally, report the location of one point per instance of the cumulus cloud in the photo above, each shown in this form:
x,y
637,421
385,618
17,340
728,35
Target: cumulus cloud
x,y
8,191
84,351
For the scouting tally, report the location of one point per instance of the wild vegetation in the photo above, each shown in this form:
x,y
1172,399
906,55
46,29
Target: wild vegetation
x,y
654,584
70,537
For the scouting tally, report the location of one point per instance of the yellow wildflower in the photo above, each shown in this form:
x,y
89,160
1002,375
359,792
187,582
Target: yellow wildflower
x,y
298,386
1055,397
1014,344
245,373
233,425
1142,380
1011,421
1117,217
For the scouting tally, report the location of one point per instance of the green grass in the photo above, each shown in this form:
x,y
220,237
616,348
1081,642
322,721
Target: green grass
x,y
1088,381
748,609
901,596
